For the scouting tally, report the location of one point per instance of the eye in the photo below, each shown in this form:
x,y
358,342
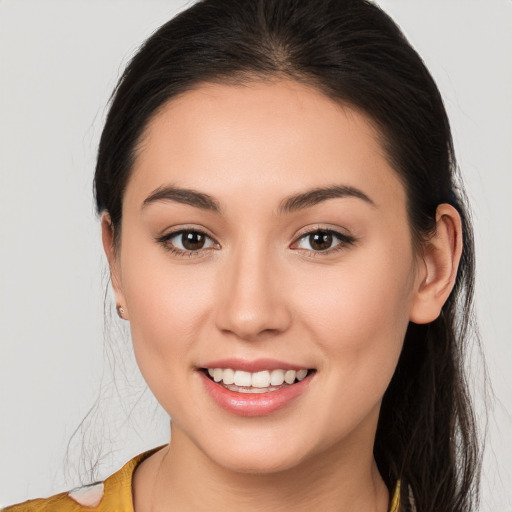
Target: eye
x,y
323,241
187,242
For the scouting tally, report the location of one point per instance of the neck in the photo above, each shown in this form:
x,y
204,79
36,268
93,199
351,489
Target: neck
x,y
181,478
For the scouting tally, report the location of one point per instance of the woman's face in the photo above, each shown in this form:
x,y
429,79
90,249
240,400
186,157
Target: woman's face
x,y
264,230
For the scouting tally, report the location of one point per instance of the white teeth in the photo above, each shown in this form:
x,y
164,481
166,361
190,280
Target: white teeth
x,y
260,379
257,381
277,377
301,374
289,376
252,390
228,376
243,378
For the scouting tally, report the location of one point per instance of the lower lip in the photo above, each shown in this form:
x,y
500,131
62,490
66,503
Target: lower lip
x,y
254,404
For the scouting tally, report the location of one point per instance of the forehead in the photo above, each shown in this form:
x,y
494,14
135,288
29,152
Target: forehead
x,y
262,139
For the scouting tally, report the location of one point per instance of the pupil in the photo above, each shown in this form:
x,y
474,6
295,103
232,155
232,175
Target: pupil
x,y
193,241
321,240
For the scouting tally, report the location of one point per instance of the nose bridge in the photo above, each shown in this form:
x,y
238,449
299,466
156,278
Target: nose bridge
x,y
252,301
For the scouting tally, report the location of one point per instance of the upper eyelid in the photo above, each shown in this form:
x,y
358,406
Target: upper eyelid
x,y
174,232
166,237
336,230
344,239
297,238
301,233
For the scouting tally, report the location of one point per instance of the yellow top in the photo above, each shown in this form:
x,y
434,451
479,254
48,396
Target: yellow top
x,y
112,495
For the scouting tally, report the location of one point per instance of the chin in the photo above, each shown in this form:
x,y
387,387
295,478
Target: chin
x,y
262,463
264,457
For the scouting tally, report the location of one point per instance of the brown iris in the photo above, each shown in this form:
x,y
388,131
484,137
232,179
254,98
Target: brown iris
x,y
321,240
192,240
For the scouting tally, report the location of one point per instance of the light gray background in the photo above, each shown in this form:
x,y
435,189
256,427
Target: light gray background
x,y
59,61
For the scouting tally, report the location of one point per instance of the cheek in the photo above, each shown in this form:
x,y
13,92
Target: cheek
x,y
359,315
167,306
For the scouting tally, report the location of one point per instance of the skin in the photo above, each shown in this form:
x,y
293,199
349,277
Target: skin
x,y
258,289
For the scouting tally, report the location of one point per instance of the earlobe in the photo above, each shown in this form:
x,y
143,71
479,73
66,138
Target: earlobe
x,y
438,268
107,236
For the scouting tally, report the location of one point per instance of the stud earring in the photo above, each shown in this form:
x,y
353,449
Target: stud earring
x,y
120,311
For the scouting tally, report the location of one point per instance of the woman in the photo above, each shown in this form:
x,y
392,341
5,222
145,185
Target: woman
x,y
288,240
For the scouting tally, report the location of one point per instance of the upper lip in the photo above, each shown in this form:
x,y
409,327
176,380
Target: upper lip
x,y
256,365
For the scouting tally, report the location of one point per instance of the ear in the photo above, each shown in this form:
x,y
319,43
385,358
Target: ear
x,y
438,264
107,237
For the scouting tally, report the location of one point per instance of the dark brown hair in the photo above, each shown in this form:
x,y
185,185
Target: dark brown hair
x,y
353,52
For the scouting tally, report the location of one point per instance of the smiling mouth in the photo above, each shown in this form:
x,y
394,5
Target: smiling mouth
x,y
265,381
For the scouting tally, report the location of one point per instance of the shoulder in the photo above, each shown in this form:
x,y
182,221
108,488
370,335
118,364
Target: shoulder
x,y
114,494
77,500
60,502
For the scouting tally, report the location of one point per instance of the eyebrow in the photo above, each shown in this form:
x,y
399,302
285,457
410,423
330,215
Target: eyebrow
x,y
317,195
183,196
290,204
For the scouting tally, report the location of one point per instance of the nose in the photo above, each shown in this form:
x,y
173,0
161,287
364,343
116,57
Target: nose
x,y
252,300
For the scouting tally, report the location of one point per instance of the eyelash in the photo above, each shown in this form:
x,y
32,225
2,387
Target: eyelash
x,y
164,240
344,241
